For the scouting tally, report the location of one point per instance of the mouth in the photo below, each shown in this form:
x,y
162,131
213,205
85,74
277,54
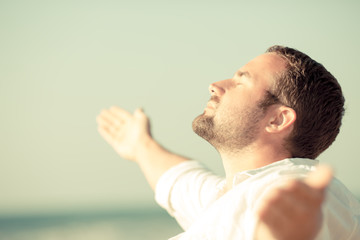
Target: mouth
x,y
214,100
210,105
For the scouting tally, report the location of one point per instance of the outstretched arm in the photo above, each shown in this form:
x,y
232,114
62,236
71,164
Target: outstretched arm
x,y
294,210
130,136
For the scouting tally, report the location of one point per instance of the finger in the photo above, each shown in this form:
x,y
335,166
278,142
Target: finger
x,y
119,113
106,122
291,198
279,200
301,192
139,114
272,217
103,121
110,126
106,135
320,178
273,214
108,118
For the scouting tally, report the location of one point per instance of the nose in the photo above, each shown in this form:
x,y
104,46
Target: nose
x,y
217,88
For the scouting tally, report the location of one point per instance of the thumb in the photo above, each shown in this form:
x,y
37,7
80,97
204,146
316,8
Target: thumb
x,y
139,113
320,178
142,117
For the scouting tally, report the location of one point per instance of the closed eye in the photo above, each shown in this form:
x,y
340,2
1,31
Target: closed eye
x,y
237,81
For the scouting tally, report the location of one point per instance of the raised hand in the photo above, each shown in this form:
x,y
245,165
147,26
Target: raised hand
x,y
294,210
124,131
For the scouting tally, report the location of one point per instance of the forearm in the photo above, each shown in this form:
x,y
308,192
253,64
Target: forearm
x,y
154,160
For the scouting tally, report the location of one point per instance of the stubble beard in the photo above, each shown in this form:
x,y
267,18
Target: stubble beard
x,y
204,127
229,134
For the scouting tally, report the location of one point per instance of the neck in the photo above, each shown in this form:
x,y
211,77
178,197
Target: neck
x,y
251,157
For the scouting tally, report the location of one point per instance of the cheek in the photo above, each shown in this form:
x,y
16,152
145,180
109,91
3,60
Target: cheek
x,y
235,105
228,111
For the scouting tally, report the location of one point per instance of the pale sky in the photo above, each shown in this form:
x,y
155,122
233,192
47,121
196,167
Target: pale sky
x,y
61,62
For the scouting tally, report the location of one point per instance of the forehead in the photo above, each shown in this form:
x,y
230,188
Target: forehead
x,y
264,68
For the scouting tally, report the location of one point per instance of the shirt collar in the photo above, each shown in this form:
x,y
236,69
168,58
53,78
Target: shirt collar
x,y
242,176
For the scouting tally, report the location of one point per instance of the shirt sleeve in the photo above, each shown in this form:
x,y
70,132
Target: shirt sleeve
x,y
185,190
341,212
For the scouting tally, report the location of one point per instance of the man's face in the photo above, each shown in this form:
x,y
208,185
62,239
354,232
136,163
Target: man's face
x,y
233,119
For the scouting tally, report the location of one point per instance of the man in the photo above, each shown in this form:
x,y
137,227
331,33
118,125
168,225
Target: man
x,y
268,123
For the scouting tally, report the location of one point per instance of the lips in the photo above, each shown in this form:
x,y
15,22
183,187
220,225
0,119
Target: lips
x,y
211,105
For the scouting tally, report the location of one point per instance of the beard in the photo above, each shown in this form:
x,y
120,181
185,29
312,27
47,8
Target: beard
x,y
204,127
229,134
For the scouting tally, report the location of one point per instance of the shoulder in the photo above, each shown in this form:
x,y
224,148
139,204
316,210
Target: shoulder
x,y
279,172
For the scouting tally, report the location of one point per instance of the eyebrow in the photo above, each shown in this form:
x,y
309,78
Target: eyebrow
x,y
241,74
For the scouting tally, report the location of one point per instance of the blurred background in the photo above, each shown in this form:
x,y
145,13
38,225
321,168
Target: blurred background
x,y
61,62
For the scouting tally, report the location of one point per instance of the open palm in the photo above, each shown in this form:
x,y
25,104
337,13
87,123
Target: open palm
x,y
124,131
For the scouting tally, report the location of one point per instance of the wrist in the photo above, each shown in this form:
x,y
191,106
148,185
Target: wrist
x,y
144,147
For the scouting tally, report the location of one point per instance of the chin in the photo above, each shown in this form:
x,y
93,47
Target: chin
x,y
203,126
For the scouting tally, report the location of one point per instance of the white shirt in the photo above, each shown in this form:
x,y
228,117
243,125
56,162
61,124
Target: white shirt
x,y
190,193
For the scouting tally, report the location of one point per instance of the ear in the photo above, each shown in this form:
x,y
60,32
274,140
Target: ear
x,y
281,119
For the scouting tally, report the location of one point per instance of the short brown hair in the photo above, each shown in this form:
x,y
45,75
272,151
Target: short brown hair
x,y
315,95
